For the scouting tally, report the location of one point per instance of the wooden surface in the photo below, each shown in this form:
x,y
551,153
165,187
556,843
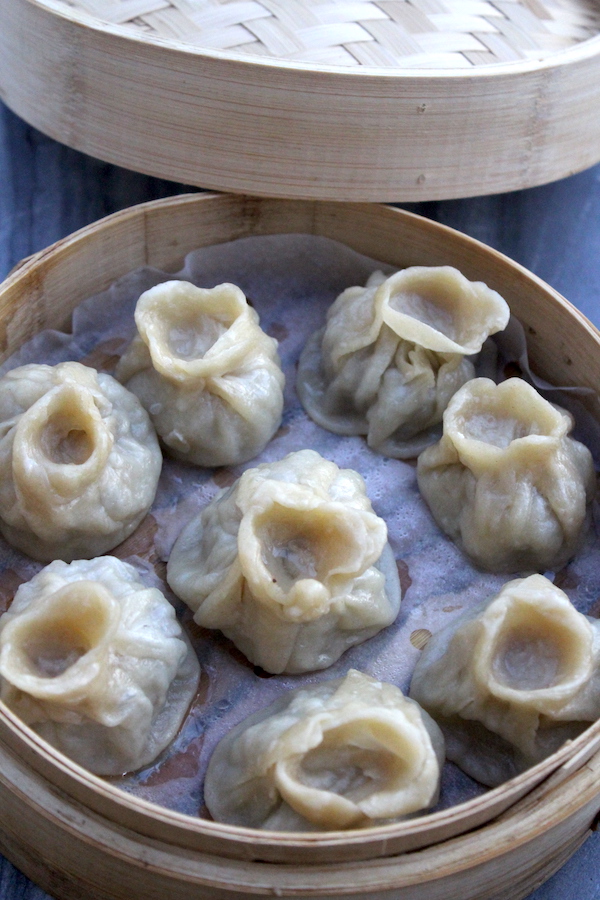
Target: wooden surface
x,y
290,128
47,191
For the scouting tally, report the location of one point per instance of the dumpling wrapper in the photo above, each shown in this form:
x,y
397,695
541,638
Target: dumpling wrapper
x,y
205,371
393,353
506,482
509,683
79,461
291,563
346,753
97,664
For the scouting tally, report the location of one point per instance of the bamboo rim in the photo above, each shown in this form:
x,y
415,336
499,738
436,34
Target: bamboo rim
x,y
504,860
282,128
160,233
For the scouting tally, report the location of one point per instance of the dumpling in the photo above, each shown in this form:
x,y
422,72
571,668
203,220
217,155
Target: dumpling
x,y
291,563
341,754
510,682
393,353
97,664
208,375
79,461
506,482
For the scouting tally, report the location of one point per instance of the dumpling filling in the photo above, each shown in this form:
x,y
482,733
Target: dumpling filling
x,y
66,440
191,337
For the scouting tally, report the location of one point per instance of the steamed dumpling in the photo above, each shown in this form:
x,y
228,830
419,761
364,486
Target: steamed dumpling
x,y
208,375
79,461
342,754
97,664
291,563
506,482
393,353
511,682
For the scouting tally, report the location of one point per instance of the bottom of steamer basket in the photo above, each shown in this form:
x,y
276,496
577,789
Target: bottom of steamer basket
x,y
73,853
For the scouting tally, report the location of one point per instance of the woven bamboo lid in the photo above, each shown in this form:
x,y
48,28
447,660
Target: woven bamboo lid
x,y
440,34
329,99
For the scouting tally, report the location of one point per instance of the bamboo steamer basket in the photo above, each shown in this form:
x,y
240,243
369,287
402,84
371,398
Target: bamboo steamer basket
x,y
320,99
75,834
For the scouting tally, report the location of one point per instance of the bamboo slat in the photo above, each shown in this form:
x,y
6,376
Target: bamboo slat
x,y
352,100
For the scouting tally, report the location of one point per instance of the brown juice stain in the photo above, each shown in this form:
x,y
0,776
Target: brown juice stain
x,y
278,331
513,370
567,580
185,764
9,582
196,632
141,542
239,657
106,355
224,478
181,765
451,608
201,695
420,638
594,611
404,575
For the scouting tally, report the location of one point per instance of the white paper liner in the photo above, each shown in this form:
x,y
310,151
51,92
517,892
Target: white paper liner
x,y
291,281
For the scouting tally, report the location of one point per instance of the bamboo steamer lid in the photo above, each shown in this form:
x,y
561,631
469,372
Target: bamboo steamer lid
x,y
327,99
73,832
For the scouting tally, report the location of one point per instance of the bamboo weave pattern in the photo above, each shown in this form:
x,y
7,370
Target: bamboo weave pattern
x,y
405,33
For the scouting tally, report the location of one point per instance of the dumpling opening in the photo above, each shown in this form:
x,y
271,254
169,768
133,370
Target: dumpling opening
x,y
191,333
46,644
181,323
428,304
500,431
354,763
55,649
499,415
534,652
62,444
371,766
457,314
66,440
302,544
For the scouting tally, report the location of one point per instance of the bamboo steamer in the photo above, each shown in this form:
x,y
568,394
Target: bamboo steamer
x,y
75,834
320,99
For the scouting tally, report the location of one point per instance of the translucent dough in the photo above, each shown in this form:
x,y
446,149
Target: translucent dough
x,y
393,353
97,664
510,682
506,482
79,461
342,754
291,563
208,375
